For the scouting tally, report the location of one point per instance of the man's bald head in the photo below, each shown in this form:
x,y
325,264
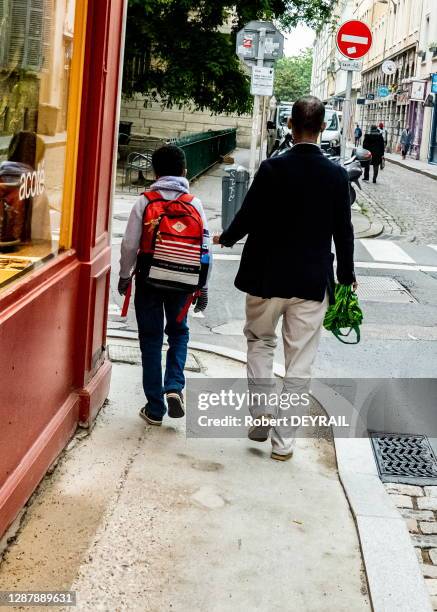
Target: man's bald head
x,y
308,115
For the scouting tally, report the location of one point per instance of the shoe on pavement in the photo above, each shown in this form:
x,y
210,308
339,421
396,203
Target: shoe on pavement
x,y
260,433
175,404
152,420
279,457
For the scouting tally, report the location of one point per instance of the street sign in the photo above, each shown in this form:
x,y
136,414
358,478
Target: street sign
x,y
261,83
351,65
248,39
361,101
388,67
354,39
434,83
383,91
370,96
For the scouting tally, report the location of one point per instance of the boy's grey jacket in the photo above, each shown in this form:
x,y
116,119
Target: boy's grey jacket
x,y
170,187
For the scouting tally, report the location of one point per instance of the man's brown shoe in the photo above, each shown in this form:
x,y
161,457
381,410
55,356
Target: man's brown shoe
x,y
278,457
260,433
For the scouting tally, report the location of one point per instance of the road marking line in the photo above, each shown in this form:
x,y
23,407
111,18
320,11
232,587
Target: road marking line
x,y
433,246
226,256
359,40
372,265
393,266
386,250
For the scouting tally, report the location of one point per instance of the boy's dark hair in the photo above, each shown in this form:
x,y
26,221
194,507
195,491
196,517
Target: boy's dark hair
x,y
308,114
169,160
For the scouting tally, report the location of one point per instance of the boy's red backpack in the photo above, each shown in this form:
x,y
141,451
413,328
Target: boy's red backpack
x,y
172,243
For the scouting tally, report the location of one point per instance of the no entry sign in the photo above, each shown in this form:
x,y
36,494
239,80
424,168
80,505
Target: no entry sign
x,y
354,39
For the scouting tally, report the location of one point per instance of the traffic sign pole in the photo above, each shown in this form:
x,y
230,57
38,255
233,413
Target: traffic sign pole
x,y
256,102
347,113
354,39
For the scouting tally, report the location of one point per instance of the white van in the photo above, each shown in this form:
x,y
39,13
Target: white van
x,y
331,136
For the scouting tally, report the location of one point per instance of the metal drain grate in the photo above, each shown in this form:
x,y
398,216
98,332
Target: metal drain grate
x,y
383,289
122,353
404,458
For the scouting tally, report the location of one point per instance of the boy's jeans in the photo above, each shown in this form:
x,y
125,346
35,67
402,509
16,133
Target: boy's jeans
x,y
150,306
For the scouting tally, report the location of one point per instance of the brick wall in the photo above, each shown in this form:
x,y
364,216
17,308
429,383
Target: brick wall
x,y
154,121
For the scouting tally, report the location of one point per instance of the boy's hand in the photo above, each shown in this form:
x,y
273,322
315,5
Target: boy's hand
x,y
216,239
123,285
201,302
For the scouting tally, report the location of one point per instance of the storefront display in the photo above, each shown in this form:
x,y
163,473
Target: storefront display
x,y
36,43
59,91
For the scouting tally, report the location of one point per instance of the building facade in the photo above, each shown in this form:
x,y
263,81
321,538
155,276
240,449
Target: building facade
x,y
405,32
60,73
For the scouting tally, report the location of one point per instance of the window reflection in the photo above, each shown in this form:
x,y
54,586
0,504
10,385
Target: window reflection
x,y
36,41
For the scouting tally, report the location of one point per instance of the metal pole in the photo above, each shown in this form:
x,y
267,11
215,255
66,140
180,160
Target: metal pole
x,y
263,130
347,109
256,100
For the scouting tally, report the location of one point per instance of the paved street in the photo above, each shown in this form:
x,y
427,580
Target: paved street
x,y
411,198
398,330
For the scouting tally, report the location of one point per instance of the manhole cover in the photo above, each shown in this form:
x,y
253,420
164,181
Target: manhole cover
x,y
383,289
122,353
405,458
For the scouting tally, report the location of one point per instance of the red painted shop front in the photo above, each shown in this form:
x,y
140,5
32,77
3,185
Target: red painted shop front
x,y
57,134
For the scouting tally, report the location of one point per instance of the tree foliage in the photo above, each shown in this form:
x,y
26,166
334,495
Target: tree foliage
x,y
293,76
179,51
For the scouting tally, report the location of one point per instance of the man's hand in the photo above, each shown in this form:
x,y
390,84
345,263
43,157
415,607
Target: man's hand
x,y
123,285
354,286
201,302
216,239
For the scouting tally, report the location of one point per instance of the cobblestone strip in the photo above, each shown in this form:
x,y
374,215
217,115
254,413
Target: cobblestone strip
x,y
375,211
418,506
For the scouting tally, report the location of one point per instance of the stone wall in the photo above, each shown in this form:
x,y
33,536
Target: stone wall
x,y
170,123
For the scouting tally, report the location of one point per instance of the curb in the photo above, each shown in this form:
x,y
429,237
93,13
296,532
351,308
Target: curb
x,y
417,170
394,577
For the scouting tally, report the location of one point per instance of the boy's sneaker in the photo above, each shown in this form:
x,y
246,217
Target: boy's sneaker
x,y
175,404
152,420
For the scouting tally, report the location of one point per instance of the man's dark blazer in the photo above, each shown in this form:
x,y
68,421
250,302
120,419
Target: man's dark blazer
x,y
297,203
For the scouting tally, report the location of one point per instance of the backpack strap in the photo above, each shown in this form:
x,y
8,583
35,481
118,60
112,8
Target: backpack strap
x,y
153,196
186,198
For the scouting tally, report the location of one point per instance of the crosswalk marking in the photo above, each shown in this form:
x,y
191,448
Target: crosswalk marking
x,y
380,254
386,250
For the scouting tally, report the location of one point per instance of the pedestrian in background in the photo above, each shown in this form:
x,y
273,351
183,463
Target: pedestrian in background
x,y
374,142
358,132
383,132
297,204
406,141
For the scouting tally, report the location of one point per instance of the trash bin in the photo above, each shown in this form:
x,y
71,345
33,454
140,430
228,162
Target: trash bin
x,y
235,184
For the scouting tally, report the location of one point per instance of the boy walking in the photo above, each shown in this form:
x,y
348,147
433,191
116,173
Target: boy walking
x,y
166,246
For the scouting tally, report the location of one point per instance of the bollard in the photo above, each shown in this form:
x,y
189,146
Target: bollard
x,y
234,188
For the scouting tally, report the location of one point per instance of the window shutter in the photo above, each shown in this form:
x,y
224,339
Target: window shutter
x,y
47,34
26,35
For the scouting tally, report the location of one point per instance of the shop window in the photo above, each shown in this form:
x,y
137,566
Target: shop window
x,y
36,38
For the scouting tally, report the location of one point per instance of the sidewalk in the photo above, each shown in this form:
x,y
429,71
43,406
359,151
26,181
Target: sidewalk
x,y
415,165
142,519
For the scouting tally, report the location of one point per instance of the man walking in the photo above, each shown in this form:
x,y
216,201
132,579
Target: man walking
x,y
406,141
358,132
297,203
374,142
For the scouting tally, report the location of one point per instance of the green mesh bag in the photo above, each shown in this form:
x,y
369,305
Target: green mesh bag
x,y
344,314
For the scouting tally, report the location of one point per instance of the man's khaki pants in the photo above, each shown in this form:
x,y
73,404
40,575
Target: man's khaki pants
x,y
301,326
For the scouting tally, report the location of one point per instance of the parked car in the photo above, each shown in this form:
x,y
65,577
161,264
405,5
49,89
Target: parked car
x,y
277,126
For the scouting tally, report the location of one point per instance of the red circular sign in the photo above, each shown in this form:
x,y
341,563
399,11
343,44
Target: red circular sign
x,y
354,39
